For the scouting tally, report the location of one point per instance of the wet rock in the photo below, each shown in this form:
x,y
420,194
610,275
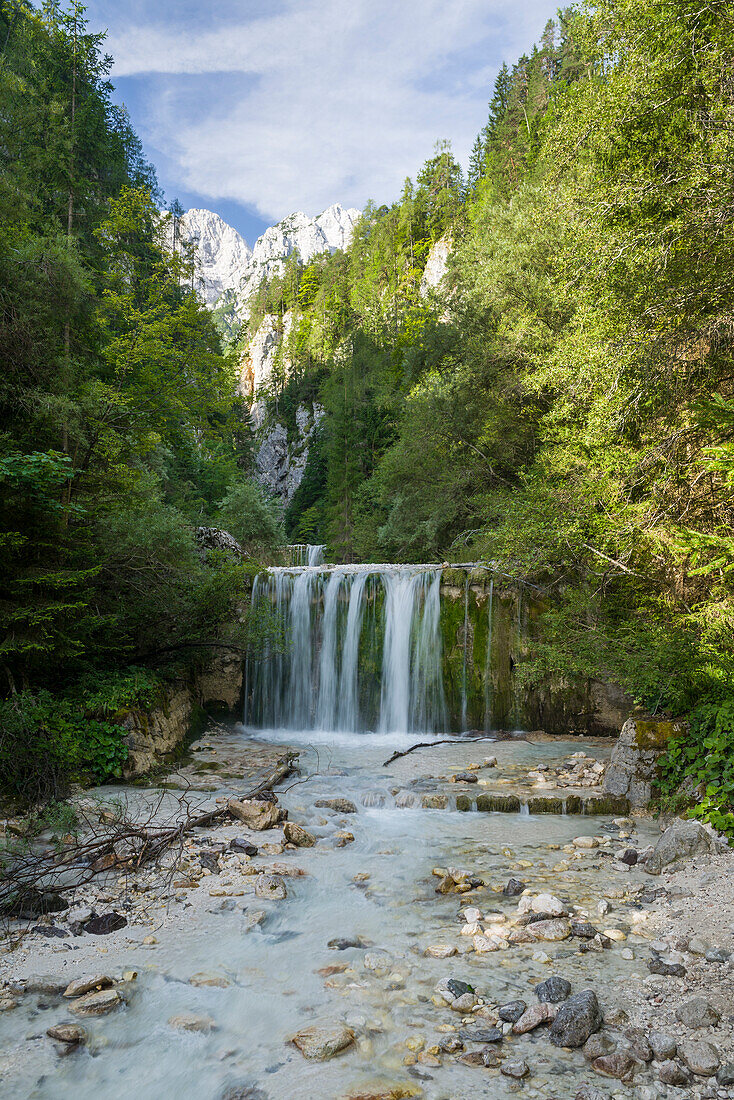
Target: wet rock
x,y
43,983
203,978
342,838
588,1092
377,960
534,1017
340,805
550,930
434,801
512,1011
243,1092
702,1058
458,988
553,990
513,888
481,1034
191,1021
725,1075
97,1004
105,923
463,777
587,842
481,1058
639,1045
256,814
663,1046
465,1003
697,1012
271,887
546,905
681,840
72,1034
620,1064
440,950
583,930
239,844
517,1070
577,1019
80,986
343,944
323,1041
294,834
629,856
670,1073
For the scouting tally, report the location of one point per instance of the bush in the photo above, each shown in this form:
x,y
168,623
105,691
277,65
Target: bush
x,y
254,520
705,756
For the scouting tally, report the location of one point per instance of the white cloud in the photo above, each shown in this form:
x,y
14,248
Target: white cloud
x,y
344,97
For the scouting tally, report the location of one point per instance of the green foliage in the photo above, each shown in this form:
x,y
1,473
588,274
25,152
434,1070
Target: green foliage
x,y
705,758
252,517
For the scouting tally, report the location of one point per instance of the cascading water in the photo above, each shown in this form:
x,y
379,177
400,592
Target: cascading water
x,y
488,663
326,674
306,553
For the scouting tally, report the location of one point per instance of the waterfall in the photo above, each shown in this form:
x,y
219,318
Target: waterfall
x,y
488,663
466,642
305,553
313,678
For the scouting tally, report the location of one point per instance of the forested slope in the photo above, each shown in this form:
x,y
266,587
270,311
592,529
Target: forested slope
x,y
119,426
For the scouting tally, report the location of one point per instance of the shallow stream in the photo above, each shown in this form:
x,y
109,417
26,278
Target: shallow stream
x,y
379,888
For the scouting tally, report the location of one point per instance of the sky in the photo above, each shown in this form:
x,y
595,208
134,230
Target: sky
x,y
258,108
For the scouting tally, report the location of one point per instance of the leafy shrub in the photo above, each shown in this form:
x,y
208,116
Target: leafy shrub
x,y
705,756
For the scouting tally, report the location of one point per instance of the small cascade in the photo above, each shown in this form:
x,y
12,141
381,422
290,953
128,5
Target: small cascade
x,y
488,725
360,650
305,553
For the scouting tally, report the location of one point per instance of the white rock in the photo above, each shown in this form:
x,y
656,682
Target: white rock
x,y
542,903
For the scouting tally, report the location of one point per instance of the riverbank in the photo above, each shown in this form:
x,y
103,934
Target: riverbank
x,y
246,938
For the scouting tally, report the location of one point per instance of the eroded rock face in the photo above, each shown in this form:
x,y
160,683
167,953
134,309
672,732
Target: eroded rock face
x,y
322,1042
634,759
436,265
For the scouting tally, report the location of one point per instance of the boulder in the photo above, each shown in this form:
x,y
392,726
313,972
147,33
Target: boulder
x,y
681,840
633,765
697,1012
214,538
80,986
97,1004
254,813
294,834
577,1019
324,1041
701,1058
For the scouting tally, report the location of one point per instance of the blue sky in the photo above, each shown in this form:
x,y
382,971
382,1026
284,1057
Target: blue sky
x,y
256,109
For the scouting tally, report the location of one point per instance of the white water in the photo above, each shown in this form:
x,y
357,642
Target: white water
x,y
361,650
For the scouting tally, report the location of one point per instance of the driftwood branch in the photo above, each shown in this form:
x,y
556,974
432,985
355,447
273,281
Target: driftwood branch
x,y
445,741
114,843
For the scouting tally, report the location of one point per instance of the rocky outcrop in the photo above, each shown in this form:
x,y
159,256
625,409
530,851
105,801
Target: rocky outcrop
x,y
634,760
436,266
281,458
152,735
682,840
214,538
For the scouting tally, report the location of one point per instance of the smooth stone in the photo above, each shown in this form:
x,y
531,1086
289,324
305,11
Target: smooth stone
x,y
465,1003
577,1019
458,988
697,1012
513,888
204,979
435,801
702,1058
44,983
546,904
598,1045
663,1046
190,1021
553,990
80,986
464,777
239,844
377,960
681,840
270,886
550,930
585,842
588,1092
664,969
324,1041
97,1004
67,1033
440,951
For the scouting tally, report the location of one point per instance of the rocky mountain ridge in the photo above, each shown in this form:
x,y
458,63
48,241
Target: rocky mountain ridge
x,y
224,262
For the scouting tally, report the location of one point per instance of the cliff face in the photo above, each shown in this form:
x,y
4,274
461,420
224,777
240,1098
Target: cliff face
x,y
281,454
436,265
220,253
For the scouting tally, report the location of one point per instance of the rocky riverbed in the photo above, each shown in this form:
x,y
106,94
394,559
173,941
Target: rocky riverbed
x,y
371,934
